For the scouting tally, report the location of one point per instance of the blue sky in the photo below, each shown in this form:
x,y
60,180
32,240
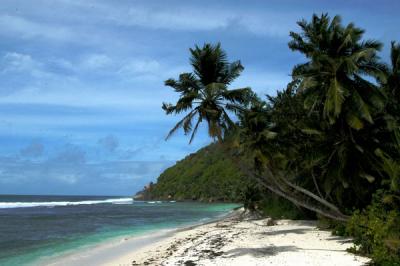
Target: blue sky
x,y
81,82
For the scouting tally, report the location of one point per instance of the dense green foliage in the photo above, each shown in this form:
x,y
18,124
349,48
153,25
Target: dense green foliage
x,y
327,143
277,207
376,230
208,174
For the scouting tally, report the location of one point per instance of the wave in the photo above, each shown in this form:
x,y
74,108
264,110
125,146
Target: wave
x,y
7,205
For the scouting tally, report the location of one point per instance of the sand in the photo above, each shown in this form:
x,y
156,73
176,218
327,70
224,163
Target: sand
x,y
234,241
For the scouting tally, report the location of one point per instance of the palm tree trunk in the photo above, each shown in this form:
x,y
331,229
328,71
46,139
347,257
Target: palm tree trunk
x,y
316,183
333,216
312,195
277,186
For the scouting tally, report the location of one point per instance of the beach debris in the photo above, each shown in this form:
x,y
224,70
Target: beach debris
x,y
270,222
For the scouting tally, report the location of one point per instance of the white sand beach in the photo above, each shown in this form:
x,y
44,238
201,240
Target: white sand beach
x,y
231,241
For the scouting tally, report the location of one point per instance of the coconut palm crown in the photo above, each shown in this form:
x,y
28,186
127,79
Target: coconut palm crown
x,y
204,93
334,77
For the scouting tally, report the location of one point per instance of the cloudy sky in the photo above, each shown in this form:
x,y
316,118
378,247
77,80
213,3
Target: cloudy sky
x,y
81,82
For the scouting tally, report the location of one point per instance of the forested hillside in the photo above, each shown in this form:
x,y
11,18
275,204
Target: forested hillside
x,y
207,175
212,174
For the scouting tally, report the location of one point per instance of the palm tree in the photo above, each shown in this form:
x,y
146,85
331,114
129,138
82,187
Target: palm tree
x,y
273,135
333,78
393,79
391,120
204,93
391,83
342,102
336,83
205,96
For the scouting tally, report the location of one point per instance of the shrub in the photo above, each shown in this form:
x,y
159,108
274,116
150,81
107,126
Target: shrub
x,y
376,230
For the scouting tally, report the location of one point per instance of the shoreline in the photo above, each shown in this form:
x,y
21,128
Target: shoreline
x,y
230,240
113,249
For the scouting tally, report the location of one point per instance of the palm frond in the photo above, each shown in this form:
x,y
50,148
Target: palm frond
x,y
361,107
199,119
354,121
334,100
242,96
231,72
180,123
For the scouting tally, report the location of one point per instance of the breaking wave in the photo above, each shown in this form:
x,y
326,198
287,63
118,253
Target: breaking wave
x,y
6,205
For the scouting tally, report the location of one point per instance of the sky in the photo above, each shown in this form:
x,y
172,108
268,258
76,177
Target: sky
x,y
82,82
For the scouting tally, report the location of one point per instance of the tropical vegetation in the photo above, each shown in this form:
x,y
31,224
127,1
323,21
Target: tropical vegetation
x,y
207,175
329,142
211,175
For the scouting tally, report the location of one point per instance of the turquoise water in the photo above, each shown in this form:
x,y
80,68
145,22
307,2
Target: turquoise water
x,y
35,227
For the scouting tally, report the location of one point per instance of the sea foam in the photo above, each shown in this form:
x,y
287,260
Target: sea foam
x,y
5,205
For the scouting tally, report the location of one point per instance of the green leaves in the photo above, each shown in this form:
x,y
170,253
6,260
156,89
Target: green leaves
x,y
391,168
361,107
332,76
185,122
334,101
204,92
210,65
186,83
310,131
353,121
370,178
242,95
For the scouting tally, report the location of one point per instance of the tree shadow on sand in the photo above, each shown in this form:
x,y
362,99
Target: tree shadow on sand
x,y
289,231
269,251
341,239
258,252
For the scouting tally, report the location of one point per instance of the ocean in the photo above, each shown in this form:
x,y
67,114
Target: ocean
x,y
37,227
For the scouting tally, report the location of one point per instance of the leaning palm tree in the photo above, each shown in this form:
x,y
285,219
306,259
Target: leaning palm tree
x,y
204,93
205,96
336,83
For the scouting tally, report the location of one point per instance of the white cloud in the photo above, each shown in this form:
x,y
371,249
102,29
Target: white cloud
x,y
198,18
114,177
175,19
96,61
25,28
128,81
138,67
190,17
62,63
13,61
